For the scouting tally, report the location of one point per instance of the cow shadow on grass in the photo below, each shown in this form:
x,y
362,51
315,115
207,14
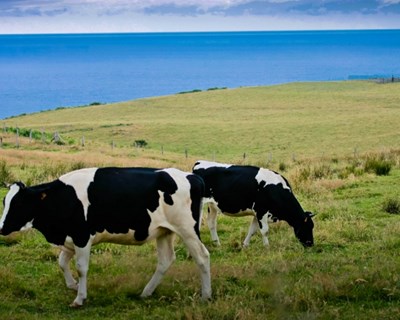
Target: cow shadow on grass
x,y
326,248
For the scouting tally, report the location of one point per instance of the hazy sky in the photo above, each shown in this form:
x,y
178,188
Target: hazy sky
x,y
68,16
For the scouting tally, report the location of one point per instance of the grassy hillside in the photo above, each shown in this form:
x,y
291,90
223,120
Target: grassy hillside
x,y
301,119
338,143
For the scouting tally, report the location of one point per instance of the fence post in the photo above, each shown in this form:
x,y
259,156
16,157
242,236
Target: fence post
x,y
43,137
30,136
162,149
17,138
83,141
56,138
186,153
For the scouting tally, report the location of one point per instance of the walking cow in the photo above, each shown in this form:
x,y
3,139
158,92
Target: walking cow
x,y
119,205
246,190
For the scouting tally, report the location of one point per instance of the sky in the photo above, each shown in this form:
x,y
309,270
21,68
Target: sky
x,y
95,16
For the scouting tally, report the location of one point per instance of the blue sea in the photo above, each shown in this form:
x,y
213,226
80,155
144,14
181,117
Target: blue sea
x,y
41,72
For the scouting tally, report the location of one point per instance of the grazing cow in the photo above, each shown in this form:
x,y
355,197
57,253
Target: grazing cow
x,y
120,205
246,190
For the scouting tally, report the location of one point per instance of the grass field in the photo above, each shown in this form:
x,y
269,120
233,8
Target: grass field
x,y
301,119
337,143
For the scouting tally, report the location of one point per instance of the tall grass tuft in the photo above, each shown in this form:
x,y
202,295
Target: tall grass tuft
x,y
6,175
391,205
380,167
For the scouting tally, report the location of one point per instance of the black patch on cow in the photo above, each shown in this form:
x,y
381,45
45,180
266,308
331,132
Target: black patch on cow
x,y
278,201
60,214
168,199
168,186
120,199
197,189
233,188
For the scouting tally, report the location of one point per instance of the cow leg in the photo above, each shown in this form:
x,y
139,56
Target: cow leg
x,y
82,266
265,229
63,260
201,256
252,230
166,255
212,222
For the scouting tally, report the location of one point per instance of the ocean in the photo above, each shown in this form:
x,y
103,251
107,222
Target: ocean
x,y
41,72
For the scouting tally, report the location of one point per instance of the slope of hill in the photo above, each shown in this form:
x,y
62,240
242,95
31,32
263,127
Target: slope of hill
x,y
301,119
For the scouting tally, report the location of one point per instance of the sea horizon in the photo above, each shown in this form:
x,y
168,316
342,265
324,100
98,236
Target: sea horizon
x,y
47,71
220,31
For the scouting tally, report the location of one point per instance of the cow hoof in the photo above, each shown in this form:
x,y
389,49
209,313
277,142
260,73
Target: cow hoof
x,y
206,298
75,305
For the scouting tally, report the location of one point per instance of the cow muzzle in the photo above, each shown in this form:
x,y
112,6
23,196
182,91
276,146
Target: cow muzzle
x,y
308,244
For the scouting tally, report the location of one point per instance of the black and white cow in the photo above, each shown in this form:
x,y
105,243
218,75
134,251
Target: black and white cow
x,y
120,205
247,190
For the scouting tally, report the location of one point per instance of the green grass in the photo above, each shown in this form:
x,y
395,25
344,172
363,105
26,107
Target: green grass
x,y
300,119
337,143
352,272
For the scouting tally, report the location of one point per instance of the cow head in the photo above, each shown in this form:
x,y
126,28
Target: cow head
x,y
304,230
17,213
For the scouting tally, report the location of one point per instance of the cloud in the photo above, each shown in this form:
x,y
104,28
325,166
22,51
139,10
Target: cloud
x,y
38,16
197,7
21,8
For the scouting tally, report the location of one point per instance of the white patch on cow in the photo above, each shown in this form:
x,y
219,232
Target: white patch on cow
x,y
202,164
265,228
270,177
181,204
80,181
7,202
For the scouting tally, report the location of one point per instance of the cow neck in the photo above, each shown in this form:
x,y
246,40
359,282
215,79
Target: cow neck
x,y
296,219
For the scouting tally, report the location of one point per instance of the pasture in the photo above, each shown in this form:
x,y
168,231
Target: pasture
x,y
336,142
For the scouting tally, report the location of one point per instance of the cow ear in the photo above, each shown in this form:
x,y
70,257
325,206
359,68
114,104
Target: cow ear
x,y
310,214
21,184
18,183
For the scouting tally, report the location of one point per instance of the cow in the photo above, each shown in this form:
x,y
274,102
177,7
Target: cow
x,y
236,191
127,206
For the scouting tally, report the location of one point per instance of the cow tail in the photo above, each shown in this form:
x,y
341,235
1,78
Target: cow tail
x,y
197,192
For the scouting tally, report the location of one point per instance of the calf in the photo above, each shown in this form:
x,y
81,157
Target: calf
x,y
246,190
120,205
